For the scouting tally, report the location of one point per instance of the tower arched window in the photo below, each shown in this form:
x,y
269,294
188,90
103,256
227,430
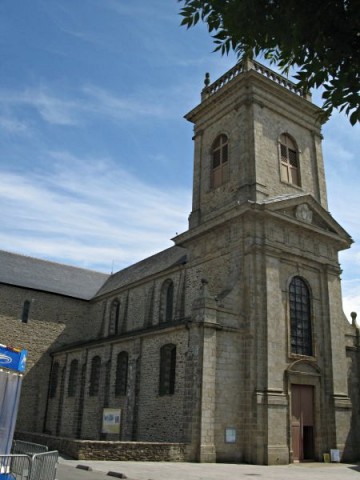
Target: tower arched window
x,y
289,160
300,317
167,369
114,323
167,301
219,161
95,376
121,373
73,377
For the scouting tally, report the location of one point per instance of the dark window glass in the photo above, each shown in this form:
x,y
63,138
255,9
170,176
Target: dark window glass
x,y
95,376
114,324
54,379
73,378
167,301
300,317
121,373
25,312
167,369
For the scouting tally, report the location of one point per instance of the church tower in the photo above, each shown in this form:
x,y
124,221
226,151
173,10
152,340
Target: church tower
x,y
273,386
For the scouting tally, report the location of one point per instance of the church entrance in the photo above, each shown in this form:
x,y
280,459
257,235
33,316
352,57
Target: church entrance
x,y
302,422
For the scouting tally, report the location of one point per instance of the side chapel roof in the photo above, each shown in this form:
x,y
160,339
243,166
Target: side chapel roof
x,y
37,274
149,266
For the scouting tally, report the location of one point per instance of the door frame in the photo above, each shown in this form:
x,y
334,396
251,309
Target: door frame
x,y
305,372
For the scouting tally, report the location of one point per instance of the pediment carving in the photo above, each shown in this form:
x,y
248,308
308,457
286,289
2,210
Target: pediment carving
x,y
304,367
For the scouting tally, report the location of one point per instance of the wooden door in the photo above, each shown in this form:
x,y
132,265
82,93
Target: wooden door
x,y
302,422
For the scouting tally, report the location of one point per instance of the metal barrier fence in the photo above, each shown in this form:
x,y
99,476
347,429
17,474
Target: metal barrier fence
x,y
29,448
15,467
41,466
44,466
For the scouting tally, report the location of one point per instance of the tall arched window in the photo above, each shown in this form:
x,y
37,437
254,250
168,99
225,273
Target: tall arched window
x,y
300,317
167,369
167,301
219,161
54,379
73,378
95,376
121,373
25,312
289,160
114,324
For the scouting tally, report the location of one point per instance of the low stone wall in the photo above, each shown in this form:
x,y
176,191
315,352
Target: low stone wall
x,y
103,450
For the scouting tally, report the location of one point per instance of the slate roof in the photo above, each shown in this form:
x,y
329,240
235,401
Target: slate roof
x,y
150,266
42,275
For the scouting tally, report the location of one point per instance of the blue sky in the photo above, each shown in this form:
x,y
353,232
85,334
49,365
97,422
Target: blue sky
x,y
96,158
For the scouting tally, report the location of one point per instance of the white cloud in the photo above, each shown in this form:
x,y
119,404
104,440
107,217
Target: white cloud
x,y
12,126
88,212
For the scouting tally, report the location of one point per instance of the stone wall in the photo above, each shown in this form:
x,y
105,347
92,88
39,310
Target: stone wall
x,y
103,450
54,321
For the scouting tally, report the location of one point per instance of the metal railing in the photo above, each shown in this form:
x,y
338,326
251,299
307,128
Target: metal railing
x,y
29,448
15,467
44,466
40,466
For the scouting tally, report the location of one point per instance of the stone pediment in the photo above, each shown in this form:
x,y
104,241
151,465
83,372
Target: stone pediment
x,y
305,210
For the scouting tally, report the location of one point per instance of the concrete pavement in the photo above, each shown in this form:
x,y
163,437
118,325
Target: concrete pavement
x,y
209,471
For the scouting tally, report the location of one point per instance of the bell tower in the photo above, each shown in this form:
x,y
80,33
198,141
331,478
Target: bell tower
x,y
257,136
262,240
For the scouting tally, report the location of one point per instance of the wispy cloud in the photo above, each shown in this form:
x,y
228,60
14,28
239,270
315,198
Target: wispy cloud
x,y
12,126
88,103
88,212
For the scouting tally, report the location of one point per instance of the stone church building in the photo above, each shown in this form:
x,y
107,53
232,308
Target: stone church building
x,y
232,342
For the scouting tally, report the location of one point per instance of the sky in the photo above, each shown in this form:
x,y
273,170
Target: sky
x,y
95,155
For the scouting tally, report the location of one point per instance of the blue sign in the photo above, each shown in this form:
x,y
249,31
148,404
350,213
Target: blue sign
x,y
13,358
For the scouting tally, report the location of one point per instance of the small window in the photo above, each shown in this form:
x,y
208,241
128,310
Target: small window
x,y
167,369
114,324
167,301
300,317
219,159
95,376
289,160
121,374
73,378
54,379
25,312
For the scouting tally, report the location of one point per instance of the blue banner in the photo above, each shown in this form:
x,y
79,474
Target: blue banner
x,y
13,358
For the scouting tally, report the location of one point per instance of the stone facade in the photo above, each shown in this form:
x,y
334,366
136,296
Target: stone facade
x,y
205,329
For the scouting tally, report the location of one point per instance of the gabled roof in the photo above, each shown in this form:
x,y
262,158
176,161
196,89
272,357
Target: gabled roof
x,y
36,274
152,265
315,215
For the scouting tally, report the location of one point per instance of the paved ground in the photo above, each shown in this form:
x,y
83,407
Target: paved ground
x,y
205,471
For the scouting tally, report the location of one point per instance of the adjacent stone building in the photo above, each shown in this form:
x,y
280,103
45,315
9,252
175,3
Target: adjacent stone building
x,y
233,341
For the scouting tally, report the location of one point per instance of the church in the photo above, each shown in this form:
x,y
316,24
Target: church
x,y
232,343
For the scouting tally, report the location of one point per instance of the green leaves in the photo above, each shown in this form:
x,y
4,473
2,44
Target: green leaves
x,y
320,39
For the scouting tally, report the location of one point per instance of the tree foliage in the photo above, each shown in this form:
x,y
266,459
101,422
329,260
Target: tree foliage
x,y
319,38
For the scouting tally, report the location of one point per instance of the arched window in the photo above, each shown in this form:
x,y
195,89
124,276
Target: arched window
x,y
73,378
289,160
95,376
114,324
219,161
300,317
121,374
25,312
167,301
167,369
54,379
